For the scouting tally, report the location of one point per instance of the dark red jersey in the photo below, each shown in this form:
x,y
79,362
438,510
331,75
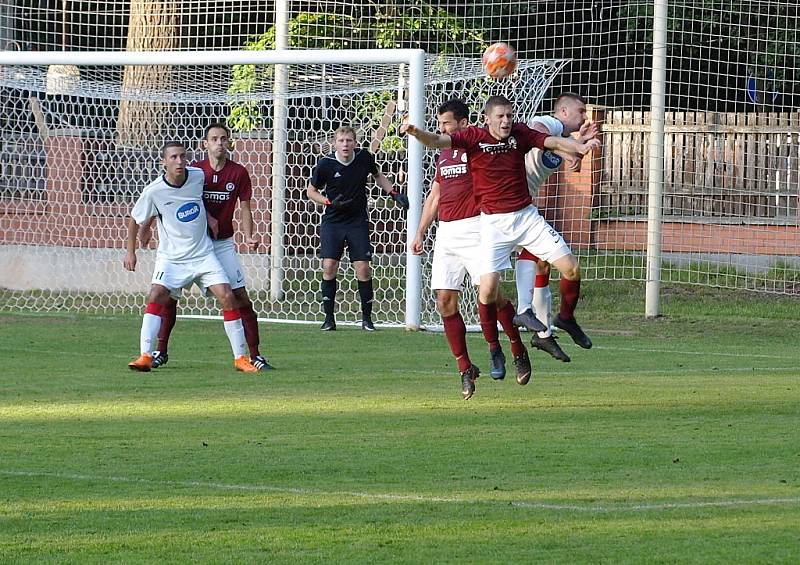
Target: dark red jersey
x,y
456,201
499,180
222,190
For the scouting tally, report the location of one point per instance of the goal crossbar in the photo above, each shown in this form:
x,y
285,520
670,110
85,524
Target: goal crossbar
x,y
414,58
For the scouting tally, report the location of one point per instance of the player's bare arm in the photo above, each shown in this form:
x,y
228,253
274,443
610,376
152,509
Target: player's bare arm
x,y
129,262
429,212
383,182
213,225
146,232
253,241
316,196
427,138
386,186
569,146
571,162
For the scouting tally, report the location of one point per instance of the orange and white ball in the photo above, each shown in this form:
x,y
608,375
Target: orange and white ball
x,y
499,60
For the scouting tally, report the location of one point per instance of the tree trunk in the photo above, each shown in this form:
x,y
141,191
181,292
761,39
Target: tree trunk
x,y
153,26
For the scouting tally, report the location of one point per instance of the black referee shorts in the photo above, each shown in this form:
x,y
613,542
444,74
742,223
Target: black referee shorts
x,y
354,234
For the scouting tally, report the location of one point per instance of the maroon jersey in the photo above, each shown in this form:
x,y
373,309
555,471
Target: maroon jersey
x,y
222,190
499,180
456,201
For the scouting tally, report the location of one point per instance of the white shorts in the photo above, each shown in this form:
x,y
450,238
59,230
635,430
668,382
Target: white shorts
x,y
503,233
225,250
174,277
455,254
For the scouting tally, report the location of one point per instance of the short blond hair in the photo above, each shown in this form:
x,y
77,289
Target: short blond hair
x,y
345,130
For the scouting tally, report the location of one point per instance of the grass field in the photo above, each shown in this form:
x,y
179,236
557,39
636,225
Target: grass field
x,y
671,441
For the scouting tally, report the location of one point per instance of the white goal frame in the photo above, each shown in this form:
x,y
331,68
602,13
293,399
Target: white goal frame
x,y
414,58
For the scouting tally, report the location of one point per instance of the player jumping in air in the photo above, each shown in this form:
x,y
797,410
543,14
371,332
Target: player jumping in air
x,y
496,153
456,254
533,275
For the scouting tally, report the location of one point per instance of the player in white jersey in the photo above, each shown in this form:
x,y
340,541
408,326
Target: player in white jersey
x,y
533,274
185,253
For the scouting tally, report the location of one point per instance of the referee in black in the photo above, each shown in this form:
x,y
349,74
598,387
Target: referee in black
x,y
342,176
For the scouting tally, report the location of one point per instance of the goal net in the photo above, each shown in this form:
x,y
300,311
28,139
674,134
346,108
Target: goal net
x,y
730,178
81,141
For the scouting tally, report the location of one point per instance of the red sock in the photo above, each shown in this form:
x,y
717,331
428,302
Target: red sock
x,y
570,292
505,316
169,313
488,316
456,333
250,323
541,281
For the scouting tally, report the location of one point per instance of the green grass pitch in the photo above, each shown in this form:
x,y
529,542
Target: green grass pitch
x,y
672,441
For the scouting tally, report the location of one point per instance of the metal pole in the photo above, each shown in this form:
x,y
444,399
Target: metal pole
x,y
656,186
279,128
416,114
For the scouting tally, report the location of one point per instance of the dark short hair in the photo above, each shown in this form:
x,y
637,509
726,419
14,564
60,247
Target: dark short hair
x,y
216,125
495,101
568,96
170,144
457,107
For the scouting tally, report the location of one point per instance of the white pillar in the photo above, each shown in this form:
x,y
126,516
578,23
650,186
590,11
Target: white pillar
x,y
416,114
279,125
656,186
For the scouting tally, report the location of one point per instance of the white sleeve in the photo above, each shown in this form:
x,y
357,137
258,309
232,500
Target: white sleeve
x,y
553,125
145,208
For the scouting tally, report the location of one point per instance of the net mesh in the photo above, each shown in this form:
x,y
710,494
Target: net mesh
x,y
732,168
75,163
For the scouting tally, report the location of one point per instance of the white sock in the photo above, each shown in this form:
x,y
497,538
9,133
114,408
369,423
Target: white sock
x,y
524,273
147,337
235,331
543,306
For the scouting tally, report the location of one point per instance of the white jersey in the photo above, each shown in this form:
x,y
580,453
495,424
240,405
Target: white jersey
x,y
182,225
539,165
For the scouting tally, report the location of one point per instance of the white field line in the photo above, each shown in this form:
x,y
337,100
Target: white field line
x,y
588,508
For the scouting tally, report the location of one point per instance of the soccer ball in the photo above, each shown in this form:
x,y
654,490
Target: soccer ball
x,y
499,60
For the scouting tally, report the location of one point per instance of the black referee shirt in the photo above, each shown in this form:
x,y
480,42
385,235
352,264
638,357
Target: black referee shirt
x,y
349,181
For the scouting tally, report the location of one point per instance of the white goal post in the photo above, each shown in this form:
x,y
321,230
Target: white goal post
x,y
83,130
414,58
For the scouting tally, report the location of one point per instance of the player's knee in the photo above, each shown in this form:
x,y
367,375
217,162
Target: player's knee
x,y
241,297
572,273
489,288
447,305
363,271
330,269
225,296
543,268
158,294
568,267
487,295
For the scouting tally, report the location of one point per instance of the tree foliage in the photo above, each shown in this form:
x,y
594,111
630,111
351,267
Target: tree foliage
x,y
388,27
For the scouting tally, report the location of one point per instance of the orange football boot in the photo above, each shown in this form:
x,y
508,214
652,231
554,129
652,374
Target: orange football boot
x,y
144,363
244,365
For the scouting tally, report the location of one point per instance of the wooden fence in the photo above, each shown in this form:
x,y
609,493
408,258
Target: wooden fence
x,y
735,167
